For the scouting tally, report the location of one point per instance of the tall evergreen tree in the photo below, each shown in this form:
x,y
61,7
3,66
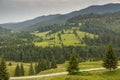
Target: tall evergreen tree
x,y
17,71
73,64
110,60
36,68
4,75
53,63
39,68
22,71
31,70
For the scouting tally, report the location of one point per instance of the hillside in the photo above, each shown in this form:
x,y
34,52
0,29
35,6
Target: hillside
x,y
89,29
32,25
22,25
4,31
66,37
96,23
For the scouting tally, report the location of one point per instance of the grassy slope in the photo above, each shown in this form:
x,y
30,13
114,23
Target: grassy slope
x,y
68,38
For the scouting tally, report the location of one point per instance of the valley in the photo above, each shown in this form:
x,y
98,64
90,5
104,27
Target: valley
x,y
79,40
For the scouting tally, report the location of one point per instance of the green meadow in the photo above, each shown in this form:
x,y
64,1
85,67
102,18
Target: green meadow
x,y
61,67
68,38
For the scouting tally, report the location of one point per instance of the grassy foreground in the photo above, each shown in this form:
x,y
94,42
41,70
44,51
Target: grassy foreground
x,y
61,67
92,75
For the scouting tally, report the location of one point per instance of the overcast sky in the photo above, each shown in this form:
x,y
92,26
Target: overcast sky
x,y
20,10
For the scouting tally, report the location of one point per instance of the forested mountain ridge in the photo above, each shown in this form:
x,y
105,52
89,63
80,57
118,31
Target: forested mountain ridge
x,y
22,25
110,21
32,25
98,9
89,22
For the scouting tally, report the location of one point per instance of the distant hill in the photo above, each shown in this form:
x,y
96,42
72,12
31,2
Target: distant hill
x,y
4,31
22,25
99,9
32,25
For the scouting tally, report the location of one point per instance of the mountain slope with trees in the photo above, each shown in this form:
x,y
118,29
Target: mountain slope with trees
x,y
32,25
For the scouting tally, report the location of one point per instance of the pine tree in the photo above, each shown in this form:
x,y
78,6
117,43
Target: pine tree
x,y
36,68
17,71
31,70
73,64
110,59
22,71
39,67
48,64
4,75
10,64
53,63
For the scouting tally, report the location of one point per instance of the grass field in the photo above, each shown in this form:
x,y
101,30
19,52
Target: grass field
x,y
11,69
92,75
82,65
68,38
61,67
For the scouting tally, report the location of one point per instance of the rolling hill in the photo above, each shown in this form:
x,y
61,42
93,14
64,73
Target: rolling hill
x,y
82,30
32,25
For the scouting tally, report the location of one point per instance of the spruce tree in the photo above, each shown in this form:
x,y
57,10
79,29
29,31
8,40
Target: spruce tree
x,y
39,68
10,64
36,68
31,70
4,75
73,64
53,63
22,71
17,71
110,59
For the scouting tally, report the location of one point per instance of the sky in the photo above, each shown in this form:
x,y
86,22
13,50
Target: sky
x,y
21,10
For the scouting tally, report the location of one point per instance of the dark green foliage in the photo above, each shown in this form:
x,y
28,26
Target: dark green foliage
x,y
110,59
22,71
44,65
9,64
73,64
4,75
36,68
31,69
28,53
17,71
39,67
97,23
53,63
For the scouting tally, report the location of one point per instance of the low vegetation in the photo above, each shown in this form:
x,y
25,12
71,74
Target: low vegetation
x,y
92,75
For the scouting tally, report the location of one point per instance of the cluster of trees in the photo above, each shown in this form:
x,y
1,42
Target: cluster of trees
x,y
32,53
45,65
102,39
35,68
19,71
16,38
